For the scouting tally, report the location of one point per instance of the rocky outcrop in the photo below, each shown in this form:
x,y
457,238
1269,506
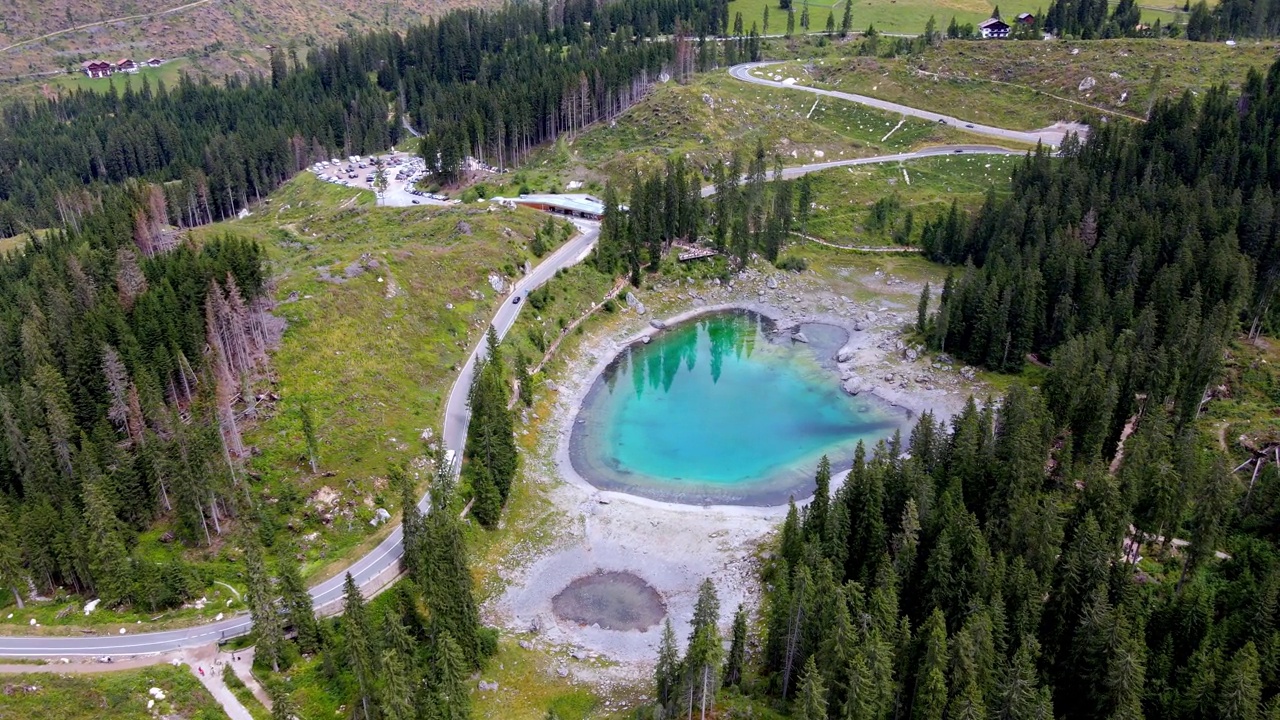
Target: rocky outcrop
x,y
855,385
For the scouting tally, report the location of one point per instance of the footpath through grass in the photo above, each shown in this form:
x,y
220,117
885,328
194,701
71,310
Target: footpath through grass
x,y
107,696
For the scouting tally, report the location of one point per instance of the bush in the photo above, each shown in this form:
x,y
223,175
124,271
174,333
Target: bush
x,y
610,306
488,641
794,263
540,298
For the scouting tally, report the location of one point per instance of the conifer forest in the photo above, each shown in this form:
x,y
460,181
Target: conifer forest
x,y
1080,544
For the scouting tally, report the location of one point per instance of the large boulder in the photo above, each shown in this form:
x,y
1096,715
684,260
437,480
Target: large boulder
x,y
632,300
844,355
854,385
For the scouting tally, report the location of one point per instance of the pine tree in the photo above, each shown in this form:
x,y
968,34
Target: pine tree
x,y
296,599
931,686
12,575
448,680
667,671
261,598
815,524
737,661
359,649
922,311
846,21
413,524
811,704
1241,692
702,662
309,436
448,594
282,705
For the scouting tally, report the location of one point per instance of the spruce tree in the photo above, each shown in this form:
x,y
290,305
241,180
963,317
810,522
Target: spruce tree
x,y
666,675
282,705
737,661
922,311
811,704
846,21
358,644
702,661
12,576
448,680
309,436
931,686
261,598
296,599
815,524
448,592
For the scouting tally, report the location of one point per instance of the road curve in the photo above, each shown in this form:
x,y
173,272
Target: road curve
x,y
388,553
378,561
1051,137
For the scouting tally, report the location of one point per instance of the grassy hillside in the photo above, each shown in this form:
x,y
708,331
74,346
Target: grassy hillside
x,y
109,696
1029,85
714,115
382,304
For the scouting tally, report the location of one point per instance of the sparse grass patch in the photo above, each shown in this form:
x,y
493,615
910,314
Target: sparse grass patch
x,y
109,696
1013,83
383,305
714,115
844,196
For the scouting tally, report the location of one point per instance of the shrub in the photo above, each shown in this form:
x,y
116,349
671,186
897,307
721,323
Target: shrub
x,y
794,263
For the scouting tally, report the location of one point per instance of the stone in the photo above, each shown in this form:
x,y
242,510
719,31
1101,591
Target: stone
x,y
912,354
486,686
645,339
771,283
967,372
888,377
562,671
463,227
90,606
640,309
525,645
799,337
859,326
854,385
632,300
380,516
658,324
497,283
844,355
1087,84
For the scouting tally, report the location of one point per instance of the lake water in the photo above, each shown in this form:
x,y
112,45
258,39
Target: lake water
x,y
723,410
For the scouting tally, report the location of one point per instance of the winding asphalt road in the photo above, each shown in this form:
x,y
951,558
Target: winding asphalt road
x,y
386,555
1050,136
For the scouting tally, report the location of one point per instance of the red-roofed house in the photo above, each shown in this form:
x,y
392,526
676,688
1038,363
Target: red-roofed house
x,y
96,68
126,66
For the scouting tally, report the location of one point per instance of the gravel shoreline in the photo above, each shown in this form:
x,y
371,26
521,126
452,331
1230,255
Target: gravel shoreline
x,y
671,546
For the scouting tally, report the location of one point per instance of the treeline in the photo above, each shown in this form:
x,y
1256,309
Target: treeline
x,y
120,376
215,147
409,658
485,84
988,571
1095,19
490,455
1129,263
749,213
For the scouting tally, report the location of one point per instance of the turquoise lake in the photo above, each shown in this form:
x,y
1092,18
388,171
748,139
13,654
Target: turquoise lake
x,y
723,410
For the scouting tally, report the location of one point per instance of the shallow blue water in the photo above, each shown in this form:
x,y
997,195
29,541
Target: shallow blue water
x,y
714,411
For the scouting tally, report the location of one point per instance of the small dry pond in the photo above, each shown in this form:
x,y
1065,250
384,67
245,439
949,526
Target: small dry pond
x,y
613,600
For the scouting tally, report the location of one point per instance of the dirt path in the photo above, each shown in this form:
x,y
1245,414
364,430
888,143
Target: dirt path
x,y
862,248
204,658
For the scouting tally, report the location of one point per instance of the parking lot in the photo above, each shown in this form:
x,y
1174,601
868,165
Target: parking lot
x,y
402,171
